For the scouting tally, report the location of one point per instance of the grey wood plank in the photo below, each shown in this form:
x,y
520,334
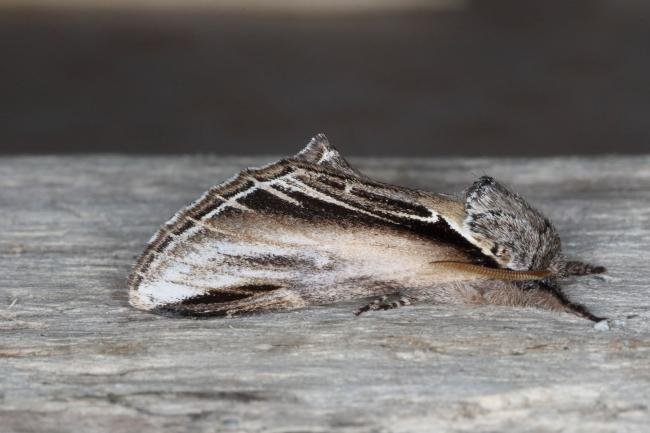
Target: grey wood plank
x,y
75,357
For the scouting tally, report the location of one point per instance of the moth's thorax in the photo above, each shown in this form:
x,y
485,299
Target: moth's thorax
x,y
508,229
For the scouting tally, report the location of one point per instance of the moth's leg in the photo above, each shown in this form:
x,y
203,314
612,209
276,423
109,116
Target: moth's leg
x,y
575,308
386,302
544,295
581,268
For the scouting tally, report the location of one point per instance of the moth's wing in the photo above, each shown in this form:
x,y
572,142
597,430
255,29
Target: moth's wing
x,y
293,233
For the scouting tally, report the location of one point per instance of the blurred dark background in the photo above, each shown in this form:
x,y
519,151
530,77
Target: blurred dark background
x,y
504,77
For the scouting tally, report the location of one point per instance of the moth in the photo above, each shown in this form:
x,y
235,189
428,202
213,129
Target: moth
x,y
312,230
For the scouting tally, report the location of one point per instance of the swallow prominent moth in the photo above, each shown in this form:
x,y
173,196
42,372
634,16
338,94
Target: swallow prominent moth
x,y
312,230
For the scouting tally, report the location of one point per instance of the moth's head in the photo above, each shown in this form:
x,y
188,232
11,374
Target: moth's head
x,y
508,229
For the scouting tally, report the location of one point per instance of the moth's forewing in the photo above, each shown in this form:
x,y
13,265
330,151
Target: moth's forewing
x,y
309,228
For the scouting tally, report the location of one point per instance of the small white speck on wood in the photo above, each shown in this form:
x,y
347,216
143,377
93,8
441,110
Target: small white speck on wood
x,y
75,357
603,325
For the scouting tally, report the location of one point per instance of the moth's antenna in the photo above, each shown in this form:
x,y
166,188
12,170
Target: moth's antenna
x,y
491,273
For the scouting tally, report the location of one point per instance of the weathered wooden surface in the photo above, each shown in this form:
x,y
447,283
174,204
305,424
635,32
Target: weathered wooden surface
x,y
75,357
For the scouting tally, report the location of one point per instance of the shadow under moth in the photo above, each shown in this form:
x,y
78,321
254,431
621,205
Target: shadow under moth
x,y
312,230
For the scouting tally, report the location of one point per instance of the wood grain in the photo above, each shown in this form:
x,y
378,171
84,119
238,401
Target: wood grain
x,y
75,357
